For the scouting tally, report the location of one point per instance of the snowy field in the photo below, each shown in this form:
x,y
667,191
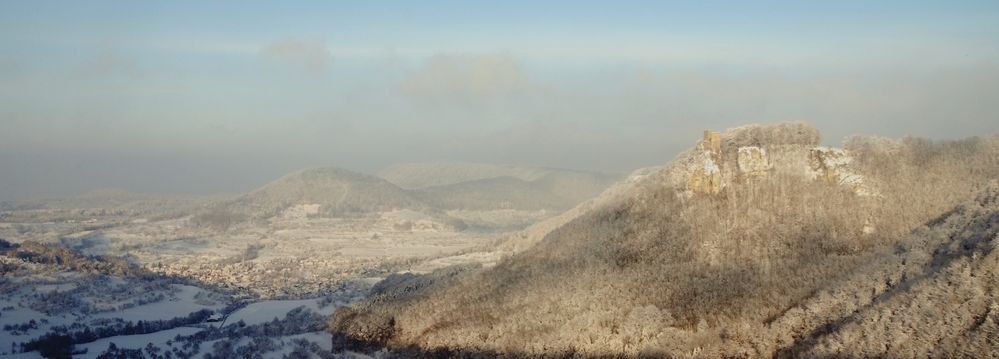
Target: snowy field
x,y
290,267
140,341
323,339
183,302
268,310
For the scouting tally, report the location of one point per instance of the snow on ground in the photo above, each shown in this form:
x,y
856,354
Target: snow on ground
x,y
325,341
182,304
20,315
29,355
65,287
261,312
134,341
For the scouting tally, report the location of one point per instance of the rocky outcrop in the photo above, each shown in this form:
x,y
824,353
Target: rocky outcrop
x,y
833,165
706,178
752,161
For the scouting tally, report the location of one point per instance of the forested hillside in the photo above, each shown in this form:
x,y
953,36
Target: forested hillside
x,y
314,192
334,189
757,243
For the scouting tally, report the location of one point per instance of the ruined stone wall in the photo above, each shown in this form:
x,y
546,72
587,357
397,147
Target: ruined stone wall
x,y
706,177
715,164
712,144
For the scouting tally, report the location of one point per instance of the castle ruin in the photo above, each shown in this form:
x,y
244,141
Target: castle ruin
x,y
711,168
706,177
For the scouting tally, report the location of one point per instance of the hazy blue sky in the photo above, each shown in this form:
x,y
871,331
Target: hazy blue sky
x,y
224,96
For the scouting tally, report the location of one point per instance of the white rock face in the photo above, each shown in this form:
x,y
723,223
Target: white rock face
x,y
833,165
825,160
753,161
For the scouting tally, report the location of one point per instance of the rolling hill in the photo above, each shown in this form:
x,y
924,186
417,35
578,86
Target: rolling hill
x,y
328,192
755,243
335,190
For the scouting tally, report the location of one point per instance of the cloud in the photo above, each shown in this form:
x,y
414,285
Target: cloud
x,y
311,56
466,79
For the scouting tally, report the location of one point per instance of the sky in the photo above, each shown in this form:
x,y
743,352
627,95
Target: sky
x,y
202,97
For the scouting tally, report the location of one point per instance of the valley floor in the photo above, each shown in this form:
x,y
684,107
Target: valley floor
x,y
266,288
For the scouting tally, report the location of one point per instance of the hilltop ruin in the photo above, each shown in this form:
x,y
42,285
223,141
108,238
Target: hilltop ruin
x,y
744,154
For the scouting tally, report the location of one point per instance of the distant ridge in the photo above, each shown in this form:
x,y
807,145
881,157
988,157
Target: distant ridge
x,y
334,189
335,192
114,200
324,191
461,185
430,174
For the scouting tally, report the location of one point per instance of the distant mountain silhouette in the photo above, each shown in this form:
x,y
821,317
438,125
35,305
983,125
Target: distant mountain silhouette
x,y
336,192
333,189
461,185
